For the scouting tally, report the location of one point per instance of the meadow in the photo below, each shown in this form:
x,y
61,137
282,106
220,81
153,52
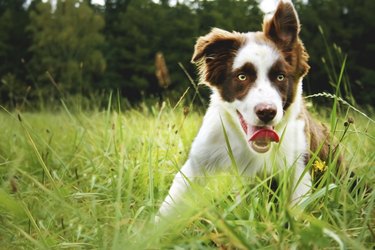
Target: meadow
x,y
74,179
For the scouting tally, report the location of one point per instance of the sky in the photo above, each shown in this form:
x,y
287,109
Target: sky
x,y
266,6
100,2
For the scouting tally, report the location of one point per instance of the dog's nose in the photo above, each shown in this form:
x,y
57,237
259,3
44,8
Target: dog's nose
x,y
265,111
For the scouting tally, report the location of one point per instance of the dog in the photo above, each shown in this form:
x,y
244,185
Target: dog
x,y
256,107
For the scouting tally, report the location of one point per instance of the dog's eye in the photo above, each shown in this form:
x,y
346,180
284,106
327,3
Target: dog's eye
x,y
280,77
241,77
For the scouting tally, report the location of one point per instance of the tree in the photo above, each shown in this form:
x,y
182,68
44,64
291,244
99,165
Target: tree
x,y
14,42
350,26
81,54
66,46
144,28
140,31
238,15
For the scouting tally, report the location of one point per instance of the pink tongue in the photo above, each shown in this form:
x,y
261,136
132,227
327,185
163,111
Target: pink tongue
x,y
265,134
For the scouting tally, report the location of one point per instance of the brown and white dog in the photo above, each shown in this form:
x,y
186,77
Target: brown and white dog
x,y
256,83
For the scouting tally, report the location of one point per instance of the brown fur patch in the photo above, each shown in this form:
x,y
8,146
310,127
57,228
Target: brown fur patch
x,y
285,86
214,54
233,87
318,139
317,135
283,30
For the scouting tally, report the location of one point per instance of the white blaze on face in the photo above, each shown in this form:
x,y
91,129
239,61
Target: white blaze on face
x,y
263,57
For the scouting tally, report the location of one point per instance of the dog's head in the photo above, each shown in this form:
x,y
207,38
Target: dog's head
x,y
257,73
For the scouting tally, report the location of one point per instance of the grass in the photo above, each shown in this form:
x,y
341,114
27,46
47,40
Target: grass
x,y
94,180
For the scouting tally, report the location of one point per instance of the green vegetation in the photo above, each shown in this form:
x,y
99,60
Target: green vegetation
x,y
91,172
63,51
73,179
79,48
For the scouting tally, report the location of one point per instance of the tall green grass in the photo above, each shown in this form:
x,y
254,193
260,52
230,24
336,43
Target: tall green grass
x,y
94,180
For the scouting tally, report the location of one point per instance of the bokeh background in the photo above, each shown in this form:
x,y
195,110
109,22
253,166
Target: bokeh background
x,y
140,48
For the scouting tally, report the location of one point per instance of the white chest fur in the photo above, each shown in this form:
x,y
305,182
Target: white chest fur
x,y
210,149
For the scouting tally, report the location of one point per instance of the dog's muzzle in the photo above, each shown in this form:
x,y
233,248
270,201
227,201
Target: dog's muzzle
x,y
258,137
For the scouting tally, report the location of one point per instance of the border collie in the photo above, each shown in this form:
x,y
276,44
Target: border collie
x,y
256,107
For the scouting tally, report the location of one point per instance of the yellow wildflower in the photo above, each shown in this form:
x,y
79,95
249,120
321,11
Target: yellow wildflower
x,y
318,167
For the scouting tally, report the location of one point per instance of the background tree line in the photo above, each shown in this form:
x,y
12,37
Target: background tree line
x,y
75,47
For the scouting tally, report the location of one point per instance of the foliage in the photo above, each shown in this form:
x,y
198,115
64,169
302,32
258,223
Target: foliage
x,y
146,28
87,48
72,179
66,46
14,42
349,24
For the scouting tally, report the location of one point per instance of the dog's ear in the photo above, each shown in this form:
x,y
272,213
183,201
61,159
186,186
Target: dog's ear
x,y
214,55
283,28
216,42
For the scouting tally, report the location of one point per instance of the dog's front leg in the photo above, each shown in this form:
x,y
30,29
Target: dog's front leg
x,y
181,184
302,184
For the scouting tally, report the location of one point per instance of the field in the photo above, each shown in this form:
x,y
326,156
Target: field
x,y
94,180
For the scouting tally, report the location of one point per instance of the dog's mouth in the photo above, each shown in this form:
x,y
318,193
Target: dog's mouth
x,y
258,137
